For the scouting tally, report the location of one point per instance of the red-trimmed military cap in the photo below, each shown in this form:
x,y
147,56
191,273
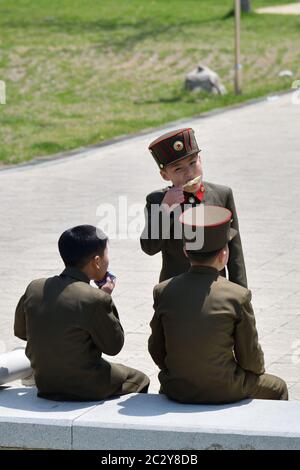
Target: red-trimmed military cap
x,y
174,146
206,228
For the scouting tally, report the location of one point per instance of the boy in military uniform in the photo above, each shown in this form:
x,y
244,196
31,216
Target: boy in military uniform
x,y
177,156
204,339
68,324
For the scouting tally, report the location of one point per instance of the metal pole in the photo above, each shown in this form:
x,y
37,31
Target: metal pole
x,y
237,67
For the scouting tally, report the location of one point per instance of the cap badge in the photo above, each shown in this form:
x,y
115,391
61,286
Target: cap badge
x,y
178,145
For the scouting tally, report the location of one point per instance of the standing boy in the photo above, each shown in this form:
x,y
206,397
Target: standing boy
x,y
178,159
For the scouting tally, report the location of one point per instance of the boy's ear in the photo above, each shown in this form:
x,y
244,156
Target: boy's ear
x,y
222,254
97,260
164,175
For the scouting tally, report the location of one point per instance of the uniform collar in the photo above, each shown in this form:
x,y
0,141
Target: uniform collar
x,y
189,197
204,270
75,273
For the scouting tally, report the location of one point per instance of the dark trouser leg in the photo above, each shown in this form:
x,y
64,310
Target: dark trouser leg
x,y
270,387
134,382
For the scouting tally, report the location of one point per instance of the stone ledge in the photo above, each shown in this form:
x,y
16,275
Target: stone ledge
x,y
141,421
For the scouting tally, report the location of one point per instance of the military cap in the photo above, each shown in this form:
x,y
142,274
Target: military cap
x,y
174,146
206,228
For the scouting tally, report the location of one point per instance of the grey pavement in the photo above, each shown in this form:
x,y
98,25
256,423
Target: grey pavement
x,y
290,9
254,149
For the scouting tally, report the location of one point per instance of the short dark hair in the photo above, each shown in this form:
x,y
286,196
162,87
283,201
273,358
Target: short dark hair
x,y
202,257
79,244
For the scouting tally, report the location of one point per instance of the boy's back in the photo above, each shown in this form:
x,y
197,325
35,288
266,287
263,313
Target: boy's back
x,y
203,317
204,337
68,324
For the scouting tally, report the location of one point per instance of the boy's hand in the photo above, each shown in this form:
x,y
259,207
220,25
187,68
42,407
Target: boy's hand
x,y
173,197
109,286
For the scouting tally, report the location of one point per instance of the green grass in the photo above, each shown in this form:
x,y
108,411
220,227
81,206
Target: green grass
x,y
81,72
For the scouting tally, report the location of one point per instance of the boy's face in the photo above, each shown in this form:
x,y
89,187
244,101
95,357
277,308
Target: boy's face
x,y
183,171
99,265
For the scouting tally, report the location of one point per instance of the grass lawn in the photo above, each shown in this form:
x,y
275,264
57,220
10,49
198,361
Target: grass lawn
x,y
81,72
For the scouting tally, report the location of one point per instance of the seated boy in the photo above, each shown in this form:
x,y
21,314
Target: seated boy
x,y
68,324
204,338
178,159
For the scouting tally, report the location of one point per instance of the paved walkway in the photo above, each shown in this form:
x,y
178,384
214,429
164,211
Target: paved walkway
x,y
254,149
291,9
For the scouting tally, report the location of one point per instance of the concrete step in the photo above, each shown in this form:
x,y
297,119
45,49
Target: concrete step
x,y
139,421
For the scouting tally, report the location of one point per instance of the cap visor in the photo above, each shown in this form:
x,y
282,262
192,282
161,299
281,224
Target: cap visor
x,y
181,158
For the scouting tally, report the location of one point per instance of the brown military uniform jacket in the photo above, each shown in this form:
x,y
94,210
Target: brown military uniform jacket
x,y
204,338
174,261
68,325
